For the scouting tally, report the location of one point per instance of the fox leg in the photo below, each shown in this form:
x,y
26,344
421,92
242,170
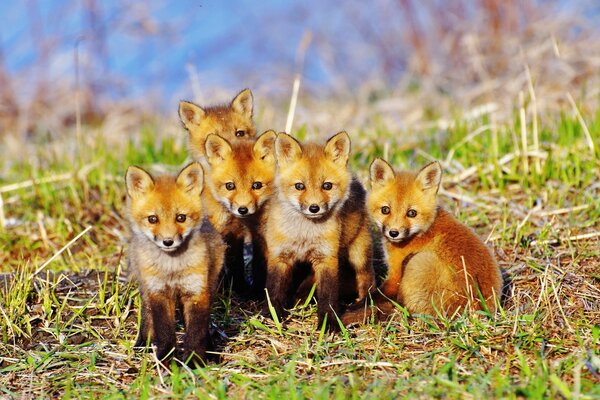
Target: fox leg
x,y
234,264
145,330
196,311
360,257
162,309
327,278
279,278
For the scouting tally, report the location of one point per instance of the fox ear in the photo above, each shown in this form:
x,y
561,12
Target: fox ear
x,y
242,103
190,113
430,176
287,149
191,179
338,148
264,148
138,181
217,149
380,172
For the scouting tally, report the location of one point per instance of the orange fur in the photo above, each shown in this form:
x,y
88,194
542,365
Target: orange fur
x,y
240,179
318,216
436,264
232,122
175,255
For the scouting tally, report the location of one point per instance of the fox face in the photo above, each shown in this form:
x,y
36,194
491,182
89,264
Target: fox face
x,y
232,122
241,174
403,204
313,179
165,209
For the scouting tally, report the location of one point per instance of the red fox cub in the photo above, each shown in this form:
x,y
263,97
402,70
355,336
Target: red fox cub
x,y
240,179
232,122
436,264
318,216
175,256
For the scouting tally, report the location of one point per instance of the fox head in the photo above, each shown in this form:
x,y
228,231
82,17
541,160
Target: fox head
x,y
232,122
313,178
241,173
165,208
403,204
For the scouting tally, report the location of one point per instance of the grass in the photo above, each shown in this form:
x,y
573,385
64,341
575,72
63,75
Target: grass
x,y
70,315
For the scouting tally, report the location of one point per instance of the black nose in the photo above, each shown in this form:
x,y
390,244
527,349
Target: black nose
x,y
168,242
394,233
313,208
243,210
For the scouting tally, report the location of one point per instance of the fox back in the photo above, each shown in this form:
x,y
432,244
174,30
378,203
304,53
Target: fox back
x,y
232,121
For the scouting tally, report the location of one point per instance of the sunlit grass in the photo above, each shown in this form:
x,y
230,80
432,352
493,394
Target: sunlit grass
x,y
68,331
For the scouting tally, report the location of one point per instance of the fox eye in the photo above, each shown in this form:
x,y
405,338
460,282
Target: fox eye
x,y
327,185
153,219
299,186
230,185
385,210
180,218
256,185
411,213
240,133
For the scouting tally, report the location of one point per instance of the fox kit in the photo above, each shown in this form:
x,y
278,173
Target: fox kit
x,y
240,179
176,257
435,262
234,123
319,217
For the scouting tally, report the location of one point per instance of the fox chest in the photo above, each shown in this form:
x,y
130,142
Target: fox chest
x,y
158,271
303,240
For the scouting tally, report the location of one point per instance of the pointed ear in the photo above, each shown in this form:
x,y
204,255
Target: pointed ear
x,y
264,148
430,176
191,179
380,172
217,149
138,181
338,148
190,113
287,149
243,103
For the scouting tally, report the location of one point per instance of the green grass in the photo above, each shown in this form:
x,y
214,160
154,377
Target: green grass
x,y
68,331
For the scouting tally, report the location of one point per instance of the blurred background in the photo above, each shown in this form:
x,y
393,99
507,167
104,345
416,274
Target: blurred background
x,y
394,63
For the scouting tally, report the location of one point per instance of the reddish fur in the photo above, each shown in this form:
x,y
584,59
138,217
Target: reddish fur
x,y
222,120
186,274
338,239
243,163
225,121
443,265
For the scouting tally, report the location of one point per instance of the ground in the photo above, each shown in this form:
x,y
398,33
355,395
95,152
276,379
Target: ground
x,y
70,312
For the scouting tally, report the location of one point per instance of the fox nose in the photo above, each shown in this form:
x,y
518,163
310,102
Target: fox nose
x,y
394,233
243,210
313,208
168,242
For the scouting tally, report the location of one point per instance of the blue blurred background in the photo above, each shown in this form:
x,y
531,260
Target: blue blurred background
x,y
161,51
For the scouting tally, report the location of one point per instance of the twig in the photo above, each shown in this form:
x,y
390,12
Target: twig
x,y
562,210
2,217
534,127
588,136
301,52
523,120
570,238
58,253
